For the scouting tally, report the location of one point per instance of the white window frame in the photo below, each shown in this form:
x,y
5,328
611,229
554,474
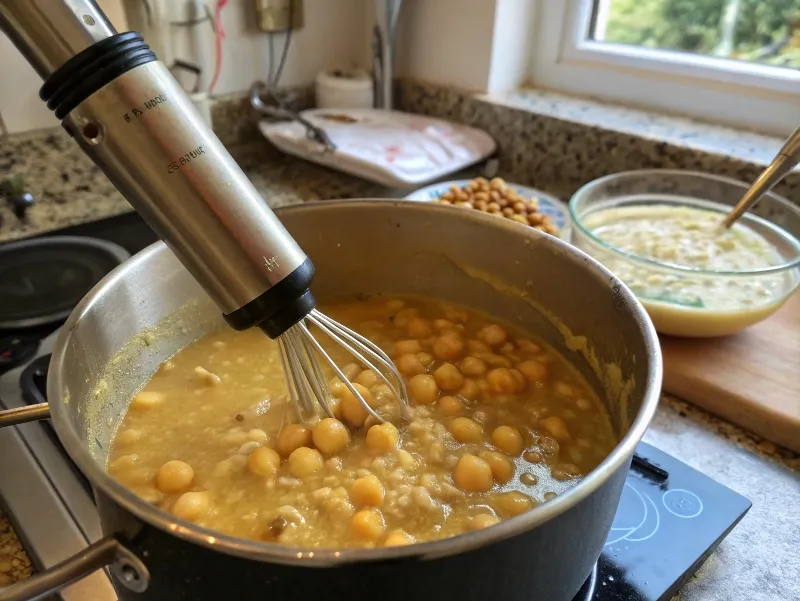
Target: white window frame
x,y
737,93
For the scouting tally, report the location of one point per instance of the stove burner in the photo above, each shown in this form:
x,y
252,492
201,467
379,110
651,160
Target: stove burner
x,y
42,280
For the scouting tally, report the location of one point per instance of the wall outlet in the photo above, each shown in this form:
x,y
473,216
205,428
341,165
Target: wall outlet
x,y
279,15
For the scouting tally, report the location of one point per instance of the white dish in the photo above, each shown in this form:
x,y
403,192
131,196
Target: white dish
x,y
392,148
548,205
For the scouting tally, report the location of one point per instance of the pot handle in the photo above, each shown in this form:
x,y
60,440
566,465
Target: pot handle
x,y
108,551
21,415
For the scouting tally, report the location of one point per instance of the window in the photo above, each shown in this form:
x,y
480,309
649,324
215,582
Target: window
x,y
730,61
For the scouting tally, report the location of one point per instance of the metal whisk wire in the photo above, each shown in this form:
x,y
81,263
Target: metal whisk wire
x,y
304,378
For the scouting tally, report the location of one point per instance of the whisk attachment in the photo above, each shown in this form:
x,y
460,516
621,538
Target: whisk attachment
x,y
299,352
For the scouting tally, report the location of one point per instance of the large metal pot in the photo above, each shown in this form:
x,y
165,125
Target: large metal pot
x,y
494,265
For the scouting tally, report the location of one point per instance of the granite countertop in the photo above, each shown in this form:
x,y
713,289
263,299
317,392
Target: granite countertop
x,y
757,561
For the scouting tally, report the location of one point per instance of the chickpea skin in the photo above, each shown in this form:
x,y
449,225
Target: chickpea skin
x,y
174,476
472,366
145,400
423,389
398,538
367,525
466,430
264,462
470,390
450,406
512,503
448,346
293,436
330,436
304,462
410,365
352,411
192,506
509,440
382,438
493,335
501,465
448,377
473,474
367,492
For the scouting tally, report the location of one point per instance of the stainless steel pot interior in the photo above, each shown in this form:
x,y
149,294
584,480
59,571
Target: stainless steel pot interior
x,y
150,307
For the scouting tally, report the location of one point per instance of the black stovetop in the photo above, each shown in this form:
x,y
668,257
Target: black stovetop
x,y
670,518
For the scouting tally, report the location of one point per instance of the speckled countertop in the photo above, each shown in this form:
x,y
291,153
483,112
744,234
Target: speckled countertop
x,y
758,561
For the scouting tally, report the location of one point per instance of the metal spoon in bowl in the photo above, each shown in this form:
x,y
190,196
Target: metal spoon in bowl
x,y
786,159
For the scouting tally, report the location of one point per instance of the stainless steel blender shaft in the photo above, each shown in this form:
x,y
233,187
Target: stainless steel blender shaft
x,y
128,113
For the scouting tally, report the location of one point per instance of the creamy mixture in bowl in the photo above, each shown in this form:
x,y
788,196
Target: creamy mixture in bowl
x,y
660,231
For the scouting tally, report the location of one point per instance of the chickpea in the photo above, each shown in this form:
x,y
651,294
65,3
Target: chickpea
x,y
398,538
466,430
293,436
423,389
472,366
533,370
508,440
583,405
395,304
493,335
469,390
512,503
127,437
410,364
426,359
448,377
144,401
330,436
501,465
442,325
404,316
528,346
264,462
351,370
533,457
402,347
501,381
419,328
192,506
476,347
450,405
482,520
304,462
563,388
557,428
528,479
382,438
352,411
473,474
367,492
448,346
174,476
368,378
257,435
367,525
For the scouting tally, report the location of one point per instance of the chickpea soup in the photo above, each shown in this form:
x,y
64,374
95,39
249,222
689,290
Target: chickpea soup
x,y
501,424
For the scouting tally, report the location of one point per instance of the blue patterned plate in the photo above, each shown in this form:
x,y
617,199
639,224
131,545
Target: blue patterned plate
x,y
548,205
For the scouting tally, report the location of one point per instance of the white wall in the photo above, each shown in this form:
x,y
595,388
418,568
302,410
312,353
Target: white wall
x,y
332,36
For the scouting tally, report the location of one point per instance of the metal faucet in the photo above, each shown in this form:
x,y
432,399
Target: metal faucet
x,y
787,158
383,36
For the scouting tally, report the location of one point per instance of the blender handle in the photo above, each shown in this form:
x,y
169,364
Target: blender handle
x,y
108,551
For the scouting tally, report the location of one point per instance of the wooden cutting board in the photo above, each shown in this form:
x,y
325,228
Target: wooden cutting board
x,y
751,379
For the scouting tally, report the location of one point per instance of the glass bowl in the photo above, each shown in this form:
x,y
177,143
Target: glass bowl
x,y
683,300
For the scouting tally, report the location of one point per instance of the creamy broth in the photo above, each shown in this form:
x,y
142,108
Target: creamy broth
x,y
501,423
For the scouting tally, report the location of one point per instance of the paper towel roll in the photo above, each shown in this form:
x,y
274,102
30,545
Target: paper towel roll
x,y
342,89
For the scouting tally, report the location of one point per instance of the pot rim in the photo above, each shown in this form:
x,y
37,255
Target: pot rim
x,y
271,552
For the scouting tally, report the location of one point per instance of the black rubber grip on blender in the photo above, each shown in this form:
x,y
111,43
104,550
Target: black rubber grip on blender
x,y
281,306
91,69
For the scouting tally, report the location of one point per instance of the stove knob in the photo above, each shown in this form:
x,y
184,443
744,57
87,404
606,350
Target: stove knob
x,y
16,350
